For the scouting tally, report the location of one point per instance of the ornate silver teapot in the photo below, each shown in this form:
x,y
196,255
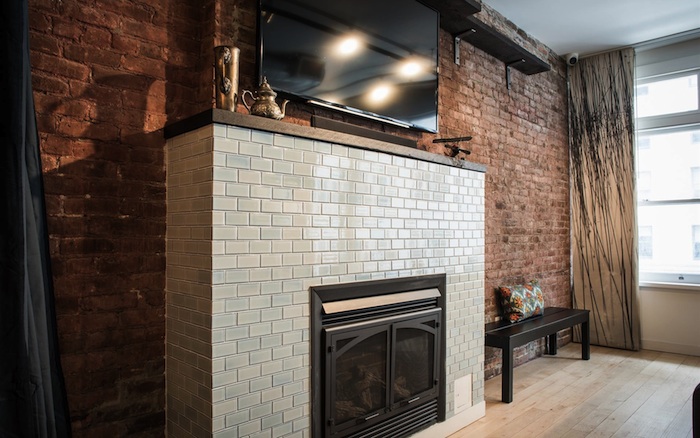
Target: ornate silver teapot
x,y
264,104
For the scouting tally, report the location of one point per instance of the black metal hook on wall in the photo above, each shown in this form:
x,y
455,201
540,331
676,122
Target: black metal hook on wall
x,y
454,149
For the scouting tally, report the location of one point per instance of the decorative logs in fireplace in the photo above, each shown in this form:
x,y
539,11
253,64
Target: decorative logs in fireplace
x,y
378,357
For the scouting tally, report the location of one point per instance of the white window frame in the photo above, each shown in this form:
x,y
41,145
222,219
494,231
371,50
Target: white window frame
x,y
653,65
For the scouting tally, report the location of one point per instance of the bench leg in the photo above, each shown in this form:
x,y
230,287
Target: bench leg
x,y
585,341
552,340
507,376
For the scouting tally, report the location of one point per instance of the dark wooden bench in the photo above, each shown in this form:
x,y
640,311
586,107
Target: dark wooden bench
x,y
507,336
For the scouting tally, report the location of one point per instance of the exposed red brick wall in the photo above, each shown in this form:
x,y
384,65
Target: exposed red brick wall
x,y
108,75
521,134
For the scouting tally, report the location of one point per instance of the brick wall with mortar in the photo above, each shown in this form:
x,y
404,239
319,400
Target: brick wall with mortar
x,y
521,134
109,74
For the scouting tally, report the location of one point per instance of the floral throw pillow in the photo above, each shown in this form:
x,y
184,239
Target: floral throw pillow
x,y
521,301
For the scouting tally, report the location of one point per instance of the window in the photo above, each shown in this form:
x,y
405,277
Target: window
x,y
643,143
646,247
653,98
670,159
643,185
695,181
668,148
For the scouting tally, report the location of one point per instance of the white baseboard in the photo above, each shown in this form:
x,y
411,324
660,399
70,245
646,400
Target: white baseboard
x,y
454,423
668,347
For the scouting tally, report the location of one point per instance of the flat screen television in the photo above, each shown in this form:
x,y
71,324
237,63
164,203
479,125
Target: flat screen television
x,y
375,58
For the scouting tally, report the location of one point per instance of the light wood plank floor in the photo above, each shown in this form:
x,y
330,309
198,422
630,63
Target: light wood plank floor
x,y
617,393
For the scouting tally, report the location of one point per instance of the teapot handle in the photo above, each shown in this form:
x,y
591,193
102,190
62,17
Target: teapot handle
x,y
243,99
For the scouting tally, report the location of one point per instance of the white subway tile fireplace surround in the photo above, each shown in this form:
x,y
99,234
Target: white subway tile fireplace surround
x,y
258,212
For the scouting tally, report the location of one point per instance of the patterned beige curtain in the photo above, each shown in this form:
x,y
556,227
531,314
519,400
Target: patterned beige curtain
x,y
603,218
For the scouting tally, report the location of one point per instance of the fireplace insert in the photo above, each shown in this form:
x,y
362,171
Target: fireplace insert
x,y
378,357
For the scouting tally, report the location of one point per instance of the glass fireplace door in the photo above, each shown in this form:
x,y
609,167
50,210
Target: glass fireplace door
x,y
356,390
375,370
415,357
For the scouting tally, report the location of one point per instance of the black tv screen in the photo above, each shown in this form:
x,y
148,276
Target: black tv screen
x,y
377,58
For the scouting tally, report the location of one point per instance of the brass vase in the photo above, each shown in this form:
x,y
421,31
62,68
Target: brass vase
x,y
226,60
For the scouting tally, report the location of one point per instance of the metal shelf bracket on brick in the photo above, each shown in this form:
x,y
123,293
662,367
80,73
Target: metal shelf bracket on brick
x,y
499,46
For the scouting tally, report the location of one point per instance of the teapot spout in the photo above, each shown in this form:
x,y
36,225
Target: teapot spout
x,y
284,106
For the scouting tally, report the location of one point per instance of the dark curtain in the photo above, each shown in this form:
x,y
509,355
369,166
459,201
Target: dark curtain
x,y
32,394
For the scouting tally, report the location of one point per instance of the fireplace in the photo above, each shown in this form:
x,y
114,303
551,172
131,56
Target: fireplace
x,y
262,212
377,353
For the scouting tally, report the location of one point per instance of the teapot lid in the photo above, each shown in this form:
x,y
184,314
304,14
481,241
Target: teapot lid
x,y
265,88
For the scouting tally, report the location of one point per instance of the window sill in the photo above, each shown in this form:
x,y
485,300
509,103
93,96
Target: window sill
x,y
664,285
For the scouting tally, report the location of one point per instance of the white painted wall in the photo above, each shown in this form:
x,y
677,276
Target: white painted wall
x,y
670,318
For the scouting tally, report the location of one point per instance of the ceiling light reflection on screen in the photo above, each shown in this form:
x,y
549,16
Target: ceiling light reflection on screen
x,y
380,93
348,46
410,68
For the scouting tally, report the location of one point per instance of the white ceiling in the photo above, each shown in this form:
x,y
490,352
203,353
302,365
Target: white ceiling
x,y
592,26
